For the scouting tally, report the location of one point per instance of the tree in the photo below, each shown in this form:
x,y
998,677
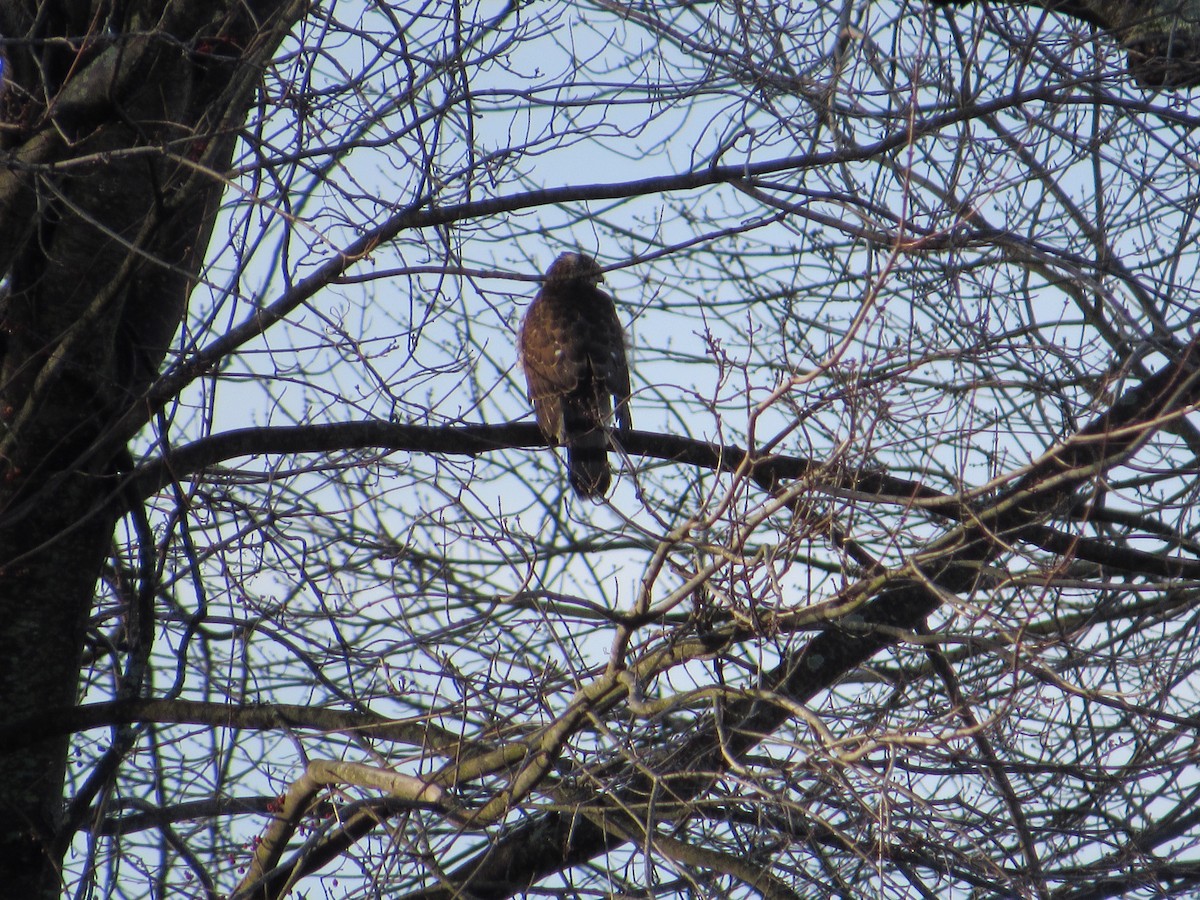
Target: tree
x,y
895,591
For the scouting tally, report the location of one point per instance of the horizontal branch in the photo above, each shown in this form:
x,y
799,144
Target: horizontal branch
x,y
265,716
767,471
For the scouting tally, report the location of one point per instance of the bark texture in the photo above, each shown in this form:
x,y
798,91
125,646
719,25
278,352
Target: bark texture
x,y
109,117
1160,37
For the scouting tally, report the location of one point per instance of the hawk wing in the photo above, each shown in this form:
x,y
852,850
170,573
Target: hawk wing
x,y
553,364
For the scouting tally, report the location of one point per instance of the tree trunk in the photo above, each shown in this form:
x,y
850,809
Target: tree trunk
x,y
103,225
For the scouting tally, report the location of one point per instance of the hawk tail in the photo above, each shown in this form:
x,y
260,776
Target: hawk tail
x,y
588,470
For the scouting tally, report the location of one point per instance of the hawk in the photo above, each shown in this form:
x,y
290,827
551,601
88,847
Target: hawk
x,y
573,352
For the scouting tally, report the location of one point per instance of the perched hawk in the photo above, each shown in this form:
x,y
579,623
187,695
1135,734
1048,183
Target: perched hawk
x,y
573,352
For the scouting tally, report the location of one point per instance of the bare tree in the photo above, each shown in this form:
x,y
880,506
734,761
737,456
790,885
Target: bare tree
x,y
895,590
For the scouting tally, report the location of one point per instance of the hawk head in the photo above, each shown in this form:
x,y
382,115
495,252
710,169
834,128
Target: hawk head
x,y
574,267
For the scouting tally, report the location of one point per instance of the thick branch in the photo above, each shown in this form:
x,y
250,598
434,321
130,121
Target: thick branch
x,y
1161,37
767,471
